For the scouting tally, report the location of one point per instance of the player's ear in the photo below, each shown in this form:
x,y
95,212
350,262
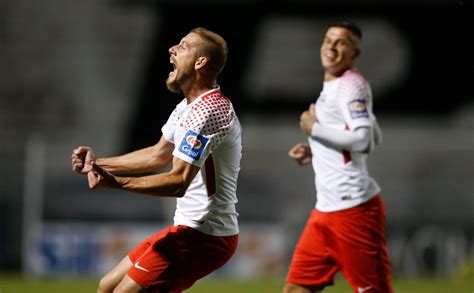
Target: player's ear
x,y
200,63
356,52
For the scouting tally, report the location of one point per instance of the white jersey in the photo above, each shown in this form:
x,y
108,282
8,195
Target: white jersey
x,y
207,134
341,177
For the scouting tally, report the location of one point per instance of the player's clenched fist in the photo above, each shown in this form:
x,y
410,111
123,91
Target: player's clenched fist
x,y
301,153
307,119
98,177
81,159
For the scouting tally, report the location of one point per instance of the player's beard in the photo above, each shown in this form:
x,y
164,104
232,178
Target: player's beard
x,y
180,77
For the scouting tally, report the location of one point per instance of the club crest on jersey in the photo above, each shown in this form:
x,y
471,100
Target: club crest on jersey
x,y
358,109
193,144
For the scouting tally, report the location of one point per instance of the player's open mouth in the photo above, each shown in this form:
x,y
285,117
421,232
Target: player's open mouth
x,y
330,55
174,66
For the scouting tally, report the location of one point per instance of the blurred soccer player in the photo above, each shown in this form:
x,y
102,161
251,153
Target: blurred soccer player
x,y
202,140
346,230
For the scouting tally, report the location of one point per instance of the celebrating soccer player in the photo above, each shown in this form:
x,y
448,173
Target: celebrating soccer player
x,y
345,231
202,141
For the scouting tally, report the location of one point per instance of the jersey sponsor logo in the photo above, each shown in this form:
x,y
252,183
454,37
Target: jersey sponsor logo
x,y
358,109
136,265
193,144
346,197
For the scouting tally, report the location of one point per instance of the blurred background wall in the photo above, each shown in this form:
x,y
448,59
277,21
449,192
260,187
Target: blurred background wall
x,y
92,73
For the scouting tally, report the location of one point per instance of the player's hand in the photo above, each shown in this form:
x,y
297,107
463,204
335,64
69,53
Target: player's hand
x,y
98,177
81,159
301,153
307,119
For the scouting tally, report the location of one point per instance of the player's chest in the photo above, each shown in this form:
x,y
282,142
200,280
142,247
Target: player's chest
x,y
328,109
181,117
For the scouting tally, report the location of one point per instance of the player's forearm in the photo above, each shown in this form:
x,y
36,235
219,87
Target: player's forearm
x,y
166,185
378,136
355,141
135,162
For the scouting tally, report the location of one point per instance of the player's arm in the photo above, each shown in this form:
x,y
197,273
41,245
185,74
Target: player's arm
x,y
357,140
140,161
378,135
173,183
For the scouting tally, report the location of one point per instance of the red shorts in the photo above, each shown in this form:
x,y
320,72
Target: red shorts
x,y
176,257
351,241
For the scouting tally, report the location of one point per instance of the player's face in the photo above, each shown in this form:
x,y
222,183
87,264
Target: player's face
x,y
183,57
338,51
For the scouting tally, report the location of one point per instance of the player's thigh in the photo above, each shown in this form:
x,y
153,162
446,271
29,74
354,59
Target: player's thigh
x,y
294,288
202,263
311,264
115,276
177,256
362,248
366,270
128,285
199,254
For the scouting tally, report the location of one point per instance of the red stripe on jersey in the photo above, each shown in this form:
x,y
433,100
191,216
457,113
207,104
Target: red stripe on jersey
x,y
346,154
212,94
210,176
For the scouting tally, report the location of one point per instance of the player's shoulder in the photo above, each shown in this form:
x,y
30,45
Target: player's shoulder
x,y
353,80
215,96
182,104
354,76
213,101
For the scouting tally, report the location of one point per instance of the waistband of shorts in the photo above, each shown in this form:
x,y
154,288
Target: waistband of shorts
x,y
375,200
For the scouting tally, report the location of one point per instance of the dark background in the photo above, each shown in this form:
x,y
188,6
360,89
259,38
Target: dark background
x,y
437,33
52,83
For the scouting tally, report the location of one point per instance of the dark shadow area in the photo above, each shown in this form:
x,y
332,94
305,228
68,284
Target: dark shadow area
x,y
436,84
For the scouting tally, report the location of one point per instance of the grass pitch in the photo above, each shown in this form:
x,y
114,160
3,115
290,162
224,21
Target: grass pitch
x,y
17,284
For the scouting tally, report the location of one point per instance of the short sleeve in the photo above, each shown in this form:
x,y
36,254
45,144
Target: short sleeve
x,y
205,128
354,96
169,127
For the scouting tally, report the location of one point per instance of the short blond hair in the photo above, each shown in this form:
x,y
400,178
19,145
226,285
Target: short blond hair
x,y
215,49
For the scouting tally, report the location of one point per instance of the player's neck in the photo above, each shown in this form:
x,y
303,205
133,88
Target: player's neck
x,y
195,91
331,75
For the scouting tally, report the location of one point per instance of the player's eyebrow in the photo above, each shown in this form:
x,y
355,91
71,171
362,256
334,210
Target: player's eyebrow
x,y
183,42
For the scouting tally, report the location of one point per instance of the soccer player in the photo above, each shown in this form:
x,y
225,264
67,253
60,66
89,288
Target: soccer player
x,y
202,141
345,231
